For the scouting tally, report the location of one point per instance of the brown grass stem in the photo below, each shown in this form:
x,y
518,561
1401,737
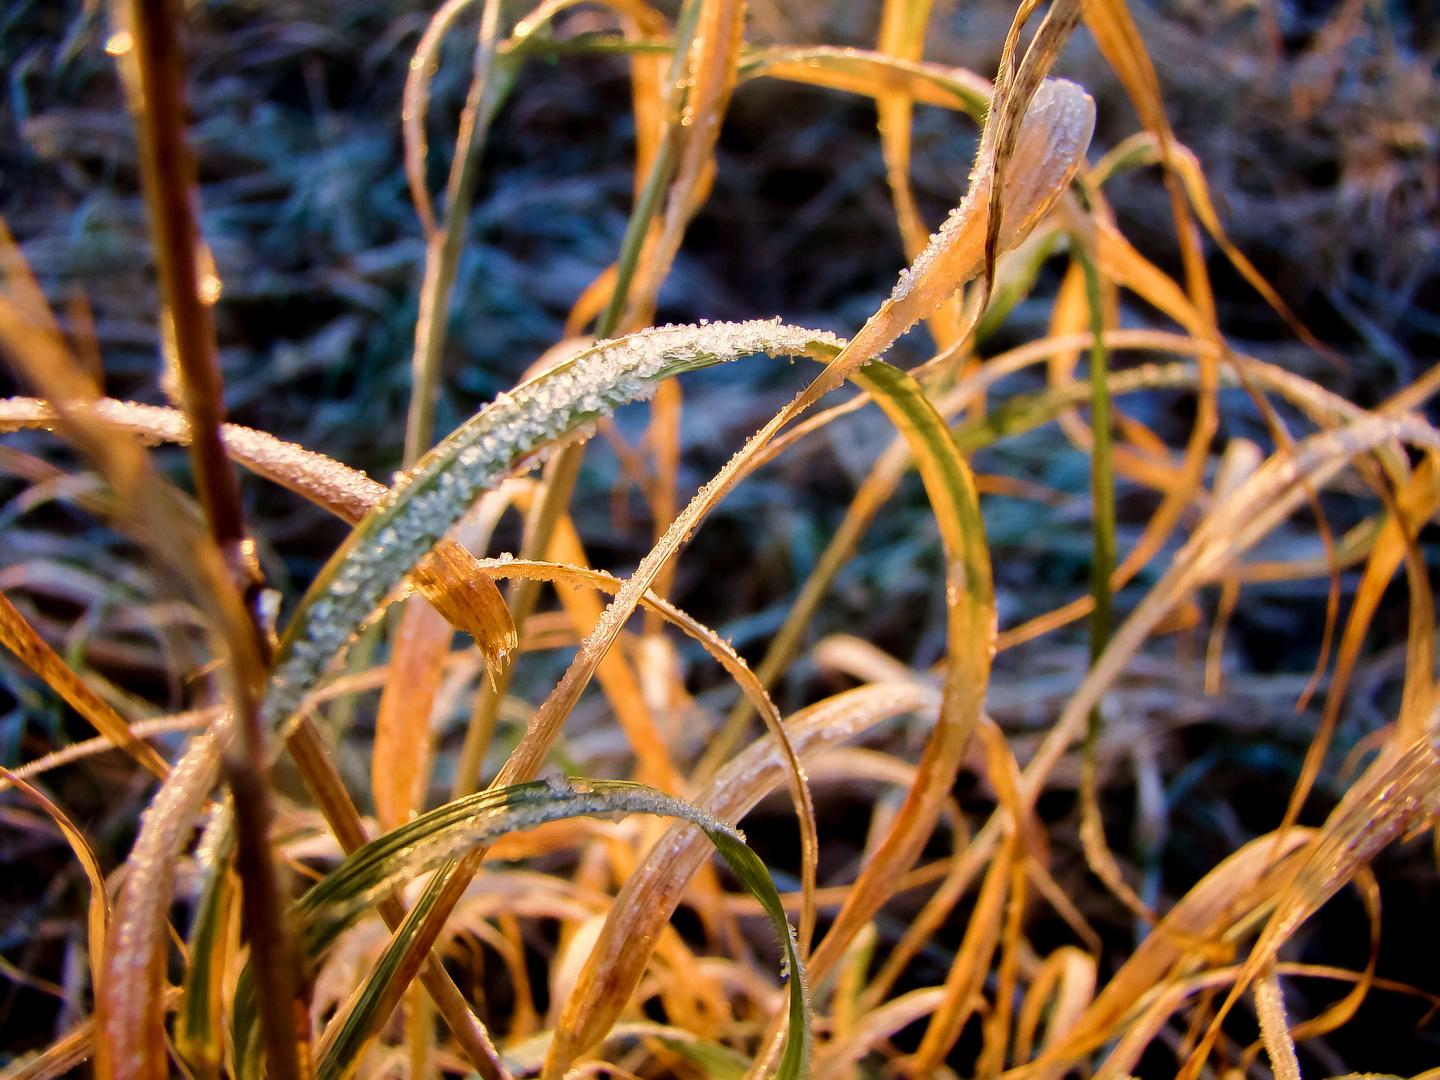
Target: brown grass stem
x,y
189,285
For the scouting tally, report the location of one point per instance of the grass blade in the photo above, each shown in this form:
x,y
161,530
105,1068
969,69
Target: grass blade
x,y
501,439
99,906
436,837
443,255
873,74
400,759
199,1035
970,629
130,998
20,638
650,895
188,287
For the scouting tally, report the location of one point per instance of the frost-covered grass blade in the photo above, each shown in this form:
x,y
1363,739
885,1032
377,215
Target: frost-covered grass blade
x,y
502,438
432,839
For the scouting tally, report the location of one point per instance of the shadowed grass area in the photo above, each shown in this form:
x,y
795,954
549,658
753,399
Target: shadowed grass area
x,y
1060,749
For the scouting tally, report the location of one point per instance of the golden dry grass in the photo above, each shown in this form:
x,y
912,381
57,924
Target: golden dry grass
x,y
533,928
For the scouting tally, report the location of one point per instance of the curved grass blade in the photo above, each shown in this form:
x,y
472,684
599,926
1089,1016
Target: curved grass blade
x,y
970,639
505,436
99,906
20,638
856,71
650,895
1050,141
434,838
1144,148
1179,933
416,106
871,73
1054,137
971,628
715,1060
1399,791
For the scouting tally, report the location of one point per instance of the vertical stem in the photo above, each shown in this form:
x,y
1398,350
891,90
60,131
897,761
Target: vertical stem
x,y
560,476
443,257
284,1019
635,230
188,288
564,466
648,204
1102,468
1102,487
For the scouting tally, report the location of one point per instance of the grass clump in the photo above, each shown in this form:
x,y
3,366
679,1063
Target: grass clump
x,y
1005,710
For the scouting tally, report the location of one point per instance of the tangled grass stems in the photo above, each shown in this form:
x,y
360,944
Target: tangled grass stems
x,y
591,922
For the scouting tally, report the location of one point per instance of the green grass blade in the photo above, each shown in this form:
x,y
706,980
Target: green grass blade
x,y
506,436
370,1011
433,839
970,639
198,1021
752,873
443,259
1102,464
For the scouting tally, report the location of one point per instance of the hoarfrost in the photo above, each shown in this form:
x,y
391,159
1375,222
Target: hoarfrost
x,y
1061,113
505,435
443,834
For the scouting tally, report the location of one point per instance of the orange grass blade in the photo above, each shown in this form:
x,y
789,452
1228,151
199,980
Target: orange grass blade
x,y
1049,148
874,1027
970,633
663,436
99,906
400,759
622,688
131,994
1400,790
20,638
1412,508
449,579
1340,1012
902,36
967,973
873,74
160,516
614,673
1188,924
1011,103
1063,987
649,896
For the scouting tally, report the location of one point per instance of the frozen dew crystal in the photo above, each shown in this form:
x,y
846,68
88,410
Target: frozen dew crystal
x,y
504,436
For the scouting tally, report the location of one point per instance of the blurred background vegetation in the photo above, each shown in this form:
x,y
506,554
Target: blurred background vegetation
x,y
1317,123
